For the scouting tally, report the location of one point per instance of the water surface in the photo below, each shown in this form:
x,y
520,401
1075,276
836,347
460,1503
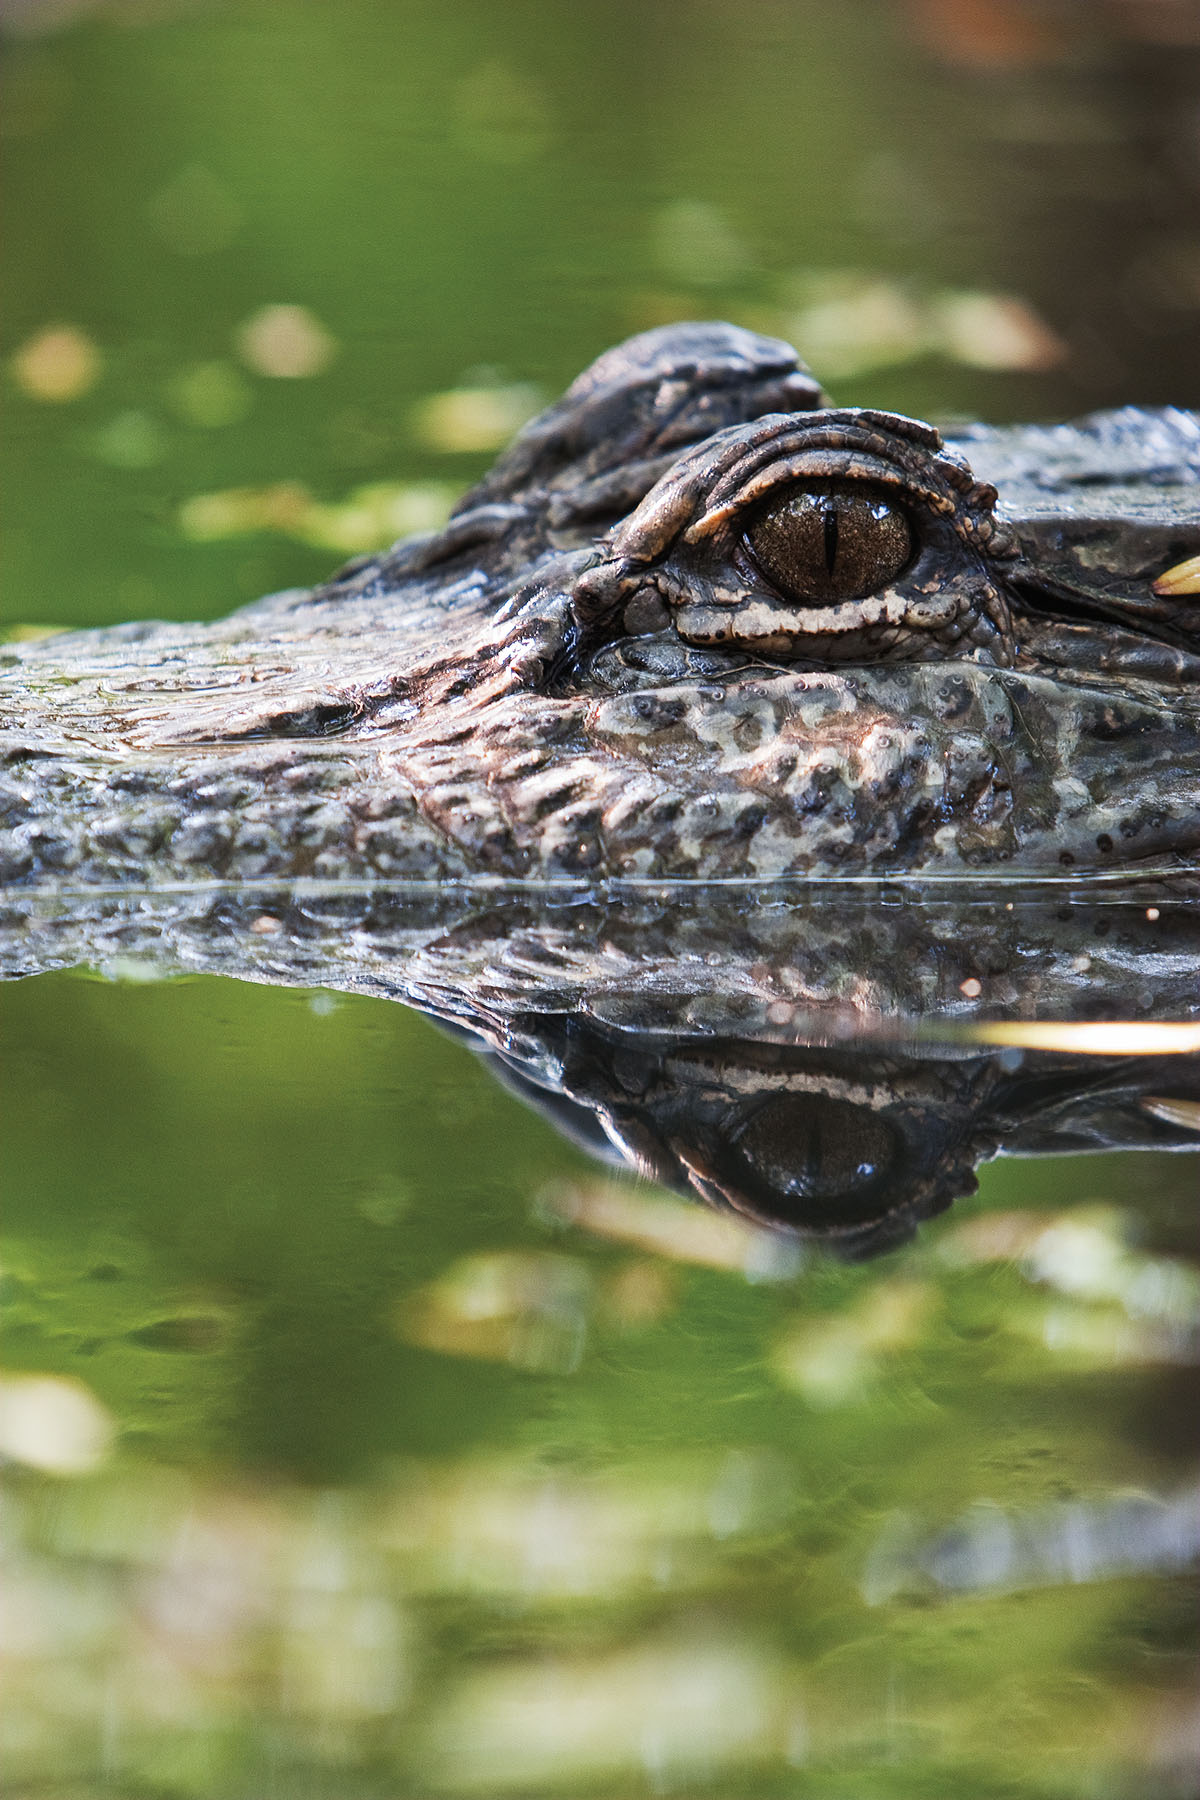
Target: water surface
x,y
365,1434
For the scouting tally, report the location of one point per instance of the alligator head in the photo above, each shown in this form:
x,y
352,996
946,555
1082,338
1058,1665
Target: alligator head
x,y
695,623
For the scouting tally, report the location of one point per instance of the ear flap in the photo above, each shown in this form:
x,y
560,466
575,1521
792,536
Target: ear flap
x,y
594,454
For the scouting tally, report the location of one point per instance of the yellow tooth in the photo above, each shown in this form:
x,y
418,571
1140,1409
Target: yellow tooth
x,y
1184,578
1174,1112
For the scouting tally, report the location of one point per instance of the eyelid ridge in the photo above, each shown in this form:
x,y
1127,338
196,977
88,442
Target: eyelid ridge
x,y
701,492
852,470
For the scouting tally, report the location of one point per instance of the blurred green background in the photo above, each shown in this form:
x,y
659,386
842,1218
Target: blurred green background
x,y
340,1461
471,195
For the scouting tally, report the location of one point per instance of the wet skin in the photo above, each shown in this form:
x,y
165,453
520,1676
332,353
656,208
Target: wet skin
x,y
695,623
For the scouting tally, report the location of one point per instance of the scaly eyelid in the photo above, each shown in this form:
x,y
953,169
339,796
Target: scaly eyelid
x,y
816,472
697,503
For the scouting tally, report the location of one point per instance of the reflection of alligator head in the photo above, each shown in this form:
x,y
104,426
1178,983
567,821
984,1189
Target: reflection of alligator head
x,y
817,1061
695,628
851,1147
694,623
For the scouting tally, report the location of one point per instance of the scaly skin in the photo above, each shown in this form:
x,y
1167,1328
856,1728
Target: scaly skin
x,y
539,691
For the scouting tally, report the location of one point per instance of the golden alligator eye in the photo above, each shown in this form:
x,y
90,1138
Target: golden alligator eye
x,y
826,543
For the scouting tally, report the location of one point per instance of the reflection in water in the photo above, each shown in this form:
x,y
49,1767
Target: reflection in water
x,y
776,1518
850,1146
1122,1534
802,1055
592,1611
237,1623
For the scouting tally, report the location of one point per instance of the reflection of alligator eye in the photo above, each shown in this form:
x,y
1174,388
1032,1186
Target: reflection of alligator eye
x,y
830,543
817,1161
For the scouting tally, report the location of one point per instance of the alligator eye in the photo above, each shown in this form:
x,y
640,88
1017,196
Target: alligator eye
x,y
818,1161
827,543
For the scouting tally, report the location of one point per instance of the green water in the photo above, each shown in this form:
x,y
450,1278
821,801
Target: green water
x,y
356,1467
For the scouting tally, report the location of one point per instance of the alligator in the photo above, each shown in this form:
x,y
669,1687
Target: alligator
x,y
642,772
696,623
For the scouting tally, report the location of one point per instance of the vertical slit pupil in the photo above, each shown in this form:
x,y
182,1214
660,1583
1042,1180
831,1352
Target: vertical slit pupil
x,y
831,534
827,543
